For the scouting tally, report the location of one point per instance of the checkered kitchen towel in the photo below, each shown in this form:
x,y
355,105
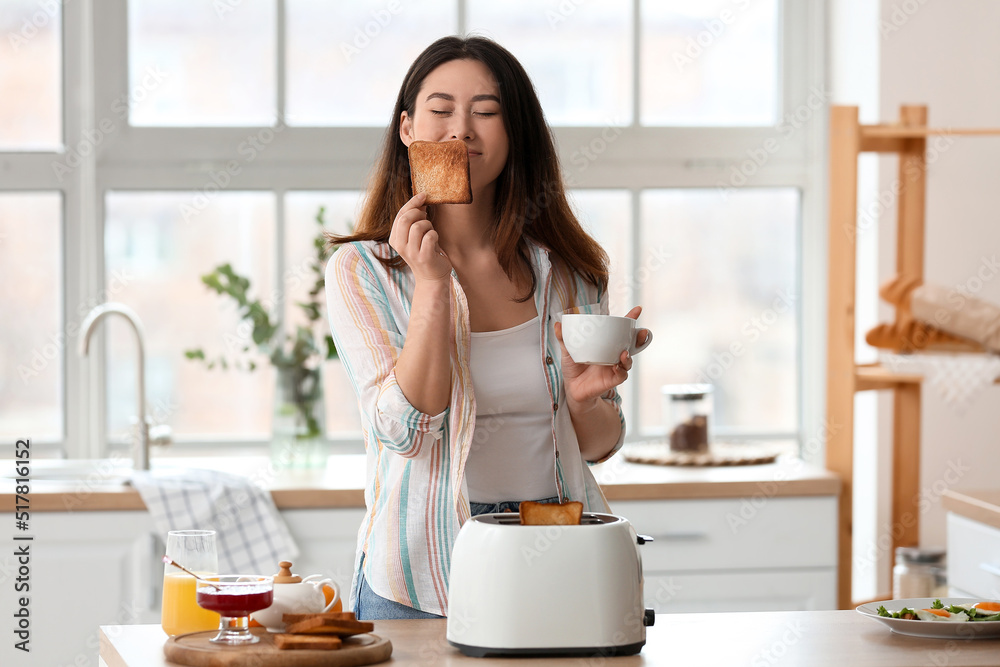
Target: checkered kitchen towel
x,y
251,537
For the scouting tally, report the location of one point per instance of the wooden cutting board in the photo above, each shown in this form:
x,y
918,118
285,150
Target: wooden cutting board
x,y
194,649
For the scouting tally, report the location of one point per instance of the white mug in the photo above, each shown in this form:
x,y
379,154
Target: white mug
x,y
600,339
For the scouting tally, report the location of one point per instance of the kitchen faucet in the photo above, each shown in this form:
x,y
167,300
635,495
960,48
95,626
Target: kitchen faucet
x,y
141,454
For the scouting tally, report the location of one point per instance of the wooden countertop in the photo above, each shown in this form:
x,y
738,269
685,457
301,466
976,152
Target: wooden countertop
x,y
339,485
814,638
982,506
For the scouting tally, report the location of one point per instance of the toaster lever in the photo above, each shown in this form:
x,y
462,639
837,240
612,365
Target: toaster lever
x,y
642,539
649,617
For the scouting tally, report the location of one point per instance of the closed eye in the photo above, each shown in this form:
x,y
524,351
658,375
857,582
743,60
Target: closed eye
x,y
485,113
438,112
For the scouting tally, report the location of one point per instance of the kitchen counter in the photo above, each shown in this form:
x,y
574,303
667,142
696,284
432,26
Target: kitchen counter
x,y
340,483
982,506
816,638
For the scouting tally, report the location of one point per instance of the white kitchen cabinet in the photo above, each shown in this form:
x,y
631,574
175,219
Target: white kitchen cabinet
x,y
973,558
86,569
736,554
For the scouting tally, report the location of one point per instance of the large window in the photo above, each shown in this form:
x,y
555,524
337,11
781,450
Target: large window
x,y
689,134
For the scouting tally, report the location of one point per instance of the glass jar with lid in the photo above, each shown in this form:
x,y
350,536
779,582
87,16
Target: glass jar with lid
x,y
919,573
687,416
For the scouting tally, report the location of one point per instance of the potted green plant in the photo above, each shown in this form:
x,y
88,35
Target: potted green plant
x,y
299,424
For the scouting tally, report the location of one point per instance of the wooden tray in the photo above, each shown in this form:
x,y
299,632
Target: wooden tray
x,y
654,453
194,649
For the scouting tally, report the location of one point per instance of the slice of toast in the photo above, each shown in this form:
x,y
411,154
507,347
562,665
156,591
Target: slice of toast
x,y
329,626
551,514
287,642
441,169
332,615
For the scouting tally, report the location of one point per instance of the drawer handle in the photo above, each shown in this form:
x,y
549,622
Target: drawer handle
x,y
681,537
991,568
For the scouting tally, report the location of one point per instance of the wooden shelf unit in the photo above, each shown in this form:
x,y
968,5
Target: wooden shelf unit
x,y
845,377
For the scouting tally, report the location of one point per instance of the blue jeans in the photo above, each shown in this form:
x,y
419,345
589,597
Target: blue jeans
x,y
505,506
371,606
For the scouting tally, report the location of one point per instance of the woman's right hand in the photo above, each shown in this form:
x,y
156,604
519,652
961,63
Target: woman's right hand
x,y
416,241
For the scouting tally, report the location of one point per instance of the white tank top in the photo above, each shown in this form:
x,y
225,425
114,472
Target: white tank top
x,y
511,456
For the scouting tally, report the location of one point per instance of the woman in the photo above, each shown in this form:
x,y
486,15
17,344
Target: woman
x,y
446,319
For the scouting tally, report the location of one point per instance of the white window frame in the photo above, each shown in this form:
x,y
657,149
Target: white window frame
x,y
95,41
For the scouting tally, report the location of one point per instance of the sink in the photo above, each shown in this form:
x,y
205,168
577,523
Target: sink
x,y
105,472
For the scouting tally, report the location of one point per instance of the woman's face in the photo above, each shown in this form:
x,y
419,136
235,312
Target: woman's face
x,y
460,100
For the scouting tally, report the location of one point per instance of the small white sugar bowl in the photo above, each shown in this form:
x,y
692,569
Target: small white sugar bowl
x,y
295,595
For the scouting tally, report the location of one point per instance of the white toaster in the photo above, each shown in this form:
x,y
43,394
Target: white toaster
x,y
547,590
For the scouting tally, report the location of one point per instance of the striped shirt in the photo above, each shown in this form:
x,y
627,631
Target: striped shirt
x,y
415,492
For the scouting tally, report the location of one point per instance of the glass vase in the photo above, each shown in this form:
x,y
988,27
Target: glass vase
x,y
299,425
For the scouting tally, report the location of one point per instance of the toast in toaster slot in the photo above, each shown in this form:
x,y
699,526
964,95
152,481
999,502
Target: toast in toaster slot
x,y
551,514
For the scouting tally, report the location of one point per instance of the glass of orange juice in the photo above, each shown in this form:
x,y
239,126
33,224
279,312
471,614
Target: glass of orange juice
x,y
195,550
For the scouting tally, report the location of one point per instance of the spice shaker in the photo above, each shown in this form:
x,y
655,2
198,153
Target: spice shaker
x,y
919,573
687,415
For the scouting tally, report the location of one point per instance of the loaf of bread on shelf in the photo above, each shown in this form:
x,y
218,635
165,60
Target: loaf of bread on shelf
x,y
916,336
958,313
441,169
936,317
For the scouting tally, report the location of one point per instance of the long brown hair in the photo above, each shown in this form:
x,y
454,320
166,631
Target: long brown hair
x,y
530,197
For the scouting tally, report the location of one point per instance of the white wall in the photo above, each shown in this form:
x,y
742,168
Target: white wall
x,y
946,54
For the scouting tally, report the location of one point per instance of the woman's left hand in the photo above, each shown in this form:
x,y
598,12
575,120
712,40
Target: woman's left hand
x,y
586,382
